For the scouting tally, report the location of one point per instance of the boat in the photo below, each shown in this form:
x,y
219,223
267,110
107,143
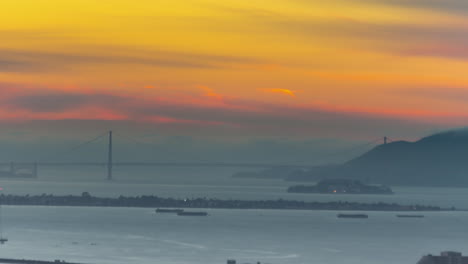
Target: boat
x,y
410,216
352,216
167,210
184,213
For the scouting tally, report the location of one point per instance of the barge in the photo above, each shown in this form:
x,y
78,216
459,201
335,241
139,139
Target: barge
x,y
352,216
166,210
184,213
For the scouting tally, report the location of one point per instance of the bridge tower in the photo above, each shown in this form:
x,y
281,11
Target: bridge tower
x,y
385,140
34,170
109,158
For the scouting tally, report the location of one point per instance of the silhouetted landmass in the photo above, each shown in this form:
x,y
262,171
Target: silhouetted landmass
x,y
26,261
157,202
437,160
341,186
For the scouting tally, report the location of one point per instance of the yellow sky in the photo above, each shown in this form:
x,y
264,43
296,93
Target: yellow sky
x,y
365,56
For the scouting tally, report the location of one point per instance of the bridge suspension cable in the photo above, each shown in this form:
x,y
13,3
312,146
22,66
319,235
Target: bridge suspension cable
x,y
74,148
155,145
193,162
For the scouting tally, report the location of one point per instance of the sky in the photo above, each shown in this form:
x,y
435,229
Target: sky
x,y
230,70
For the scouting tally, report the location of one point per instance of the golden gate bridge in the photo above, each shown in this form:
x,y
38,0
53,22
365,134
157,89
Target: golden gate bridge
x,y
31,169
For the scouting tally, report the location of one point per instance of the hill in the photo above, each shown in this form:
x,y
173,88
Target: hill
x,y
437,160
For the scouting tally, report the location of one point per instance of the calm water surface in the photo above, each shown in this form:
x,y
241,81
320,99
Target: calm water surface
x,y
132,235
125,235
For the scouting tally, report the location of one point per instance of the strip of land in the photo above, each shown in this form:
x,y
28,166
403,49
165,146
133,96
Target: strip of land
x,y
25,261
150,201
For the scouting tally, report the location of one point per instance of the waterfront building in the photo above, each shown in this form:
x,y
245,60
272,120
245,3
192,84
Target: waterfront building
x,y
446,257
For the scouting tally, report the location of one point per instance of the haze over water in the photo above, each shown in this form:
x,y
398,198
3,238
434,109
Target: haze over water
x,y
134,235
210,183
125,235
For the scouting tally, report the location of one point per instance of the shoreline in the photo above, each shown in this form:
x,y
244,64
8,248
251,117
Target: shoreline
x,y
151,201
29,261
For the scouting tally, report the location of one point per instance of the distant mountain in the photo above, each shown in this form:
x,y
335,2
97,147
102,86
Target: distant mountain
x,y
437,160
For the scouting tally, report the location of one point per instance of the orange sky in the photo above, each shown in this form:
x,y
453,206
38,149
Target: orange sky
x,y
239,64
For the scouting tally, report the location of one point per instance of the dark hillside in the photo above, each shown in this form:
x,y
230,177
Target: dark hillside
x,y
437,160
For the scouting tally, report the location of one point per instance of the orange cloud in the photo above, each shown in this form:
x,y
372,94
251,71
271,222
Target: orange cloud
x,y
55,104
281,91
210,92
169,120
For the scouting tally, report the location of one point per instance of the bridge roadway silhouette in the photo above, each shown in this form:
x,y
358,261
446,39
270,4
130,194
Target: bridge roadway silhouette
x,y
154,164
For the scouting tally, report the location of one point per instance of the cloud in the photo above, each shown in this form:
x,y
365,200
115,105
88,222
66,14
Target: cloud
x,y
12,65
432,33
439,39
448,94
56,102
30,61
455,6
446,49
281,91
451,6
34,60
199,115
47,102
208,92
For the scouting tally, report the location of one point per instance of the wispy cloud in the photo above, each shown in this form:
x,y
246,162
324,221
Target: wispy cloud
x,y
56,102
210,92
446,94
455,6
27,60
439,39
280,91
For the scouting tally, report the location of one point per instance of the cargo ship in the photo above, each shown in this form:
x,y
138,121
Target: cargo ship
x,y
410,216
184,213
352,216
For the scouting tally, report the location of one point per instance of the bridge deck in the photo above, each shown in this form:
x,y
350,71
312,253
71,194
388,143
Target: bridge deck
x,y
155,164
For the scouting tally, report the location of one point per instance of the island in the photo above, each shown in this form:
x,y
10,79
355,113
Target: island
x,y
151,201
341,186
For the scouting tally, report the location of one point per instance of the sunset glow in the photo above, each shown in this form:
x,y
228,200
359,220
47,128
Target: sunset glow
x,y
221,63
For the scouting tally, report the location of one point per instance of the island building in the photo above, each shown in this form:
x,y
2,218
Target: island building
x,y
446,257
